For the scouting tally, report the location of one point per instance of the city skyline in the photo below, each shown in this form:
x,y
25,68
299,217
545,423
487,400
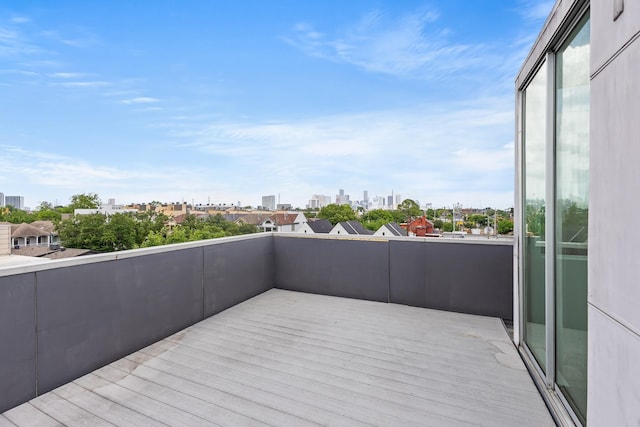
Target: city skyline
x,y
230,102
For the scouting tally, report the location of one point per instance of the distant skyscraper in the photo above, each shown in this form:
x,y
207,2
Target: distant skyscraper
x,y
390,202
269,202
1,200
342,199
366,199
318,201
15,201
398,199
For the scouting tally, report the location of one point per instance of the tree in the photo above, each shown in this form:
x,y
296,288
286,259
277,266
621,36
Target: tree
x,y
85,201
15,216
409,209
376,218
477,219
337,213
83,232
437,223
44,206
447,226
505,226
119,233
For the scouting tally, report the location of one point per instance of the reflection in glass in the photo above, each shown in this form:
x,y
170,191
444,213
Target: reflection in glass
x,y
572,210
535,107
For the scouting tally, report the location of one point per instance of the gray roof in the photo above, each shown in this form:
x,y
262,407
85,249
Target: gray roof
x,y
355,227
395,229
320,226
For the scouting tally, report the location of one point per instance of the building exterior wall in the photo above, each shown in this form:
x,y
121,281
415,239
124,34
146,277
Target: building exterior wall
x,y
614,318
5,239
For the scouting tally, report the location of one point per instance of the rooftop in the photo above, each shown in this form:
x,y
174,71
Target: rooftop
x,y
292,358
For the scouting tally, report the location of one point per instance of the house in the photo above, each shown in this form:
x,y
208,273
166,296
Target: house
x,y
283,222
38,233
390,229
420,227
350,227
319,226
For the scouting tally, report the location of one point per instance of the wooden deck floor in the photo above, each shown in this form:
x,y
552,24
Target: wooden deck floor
x,y
294,359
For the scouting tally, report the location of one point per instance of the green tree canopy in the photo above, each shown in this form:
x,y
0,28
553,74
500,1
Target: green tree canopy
x,y
84,201
337,213
376,218
505,226
15,216
409,209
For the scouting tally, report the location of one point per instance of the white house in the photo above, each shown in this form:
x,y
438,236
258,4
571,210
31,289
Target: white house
x,y
350,227
390,229
283,222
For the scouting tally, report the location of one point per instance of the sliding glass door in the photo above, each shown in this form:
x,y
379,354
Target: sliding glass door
x,y
571,216
534,183
555,201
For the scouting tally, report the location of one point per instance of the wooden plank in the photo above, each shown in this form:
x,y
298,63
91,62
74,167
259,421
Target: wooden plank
x,y
66,412
27,415
106,409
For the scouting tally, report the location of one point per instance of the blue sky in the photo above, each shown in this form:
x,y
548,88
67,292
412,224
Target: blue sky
x,y
227,101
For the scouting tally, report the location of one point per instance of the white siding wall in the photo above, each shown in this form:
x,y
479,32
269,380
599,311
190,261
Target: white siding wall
x,y
5,239
614,249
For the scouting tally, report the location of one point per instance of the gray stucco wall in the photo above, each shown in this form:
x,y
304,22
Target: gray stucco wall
x,y
336,267
457,276
613,269
236,271
90,315
462,277
61,320
17,339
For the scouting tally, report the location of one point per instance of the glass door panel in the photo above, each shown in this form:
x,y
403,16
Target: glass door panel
x,y
535,110
571,216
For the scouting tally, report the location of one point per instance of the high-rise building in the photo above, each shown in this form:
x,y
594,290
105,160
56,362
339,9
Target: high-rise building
x,y
365,199
1,200
269,202
318,201
342,199
15,201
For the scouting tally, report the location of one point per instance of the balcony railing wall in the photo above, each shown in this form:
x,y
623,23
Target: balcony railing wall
x,y
467,276
63,319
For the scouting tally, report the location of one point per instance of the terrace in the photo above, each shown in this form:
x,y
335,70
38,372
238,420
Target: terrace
x,y
267,329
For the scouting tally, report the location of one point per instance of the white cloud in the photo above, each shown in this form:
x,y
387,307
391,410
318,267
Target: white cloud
x,y
67,75
413,46
64,175
83,40
535,10
95,83
459,145
20,20
140,100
